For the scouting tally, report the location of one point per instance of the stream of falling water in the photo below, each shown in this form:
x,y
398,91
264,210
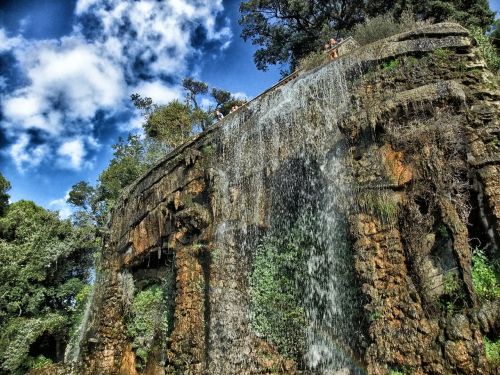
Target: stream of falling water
x,y
297,121
72,352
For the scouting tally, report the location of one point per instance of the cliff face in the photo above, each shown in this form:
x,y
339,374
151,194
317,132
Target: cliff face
x,y
369,180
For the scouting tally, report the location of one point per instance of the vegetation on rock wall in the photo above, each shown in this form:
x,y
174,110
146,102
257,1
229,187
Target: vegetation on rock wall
x,y
487,49
492,349
485,277
150,318
277,287
383,26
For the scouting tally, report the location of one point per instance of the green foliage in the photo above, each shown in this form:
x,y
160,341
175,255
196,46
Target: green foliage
x,y
442,54
131,158
495,34
383,26
150,318
4,197
468,13
486,49
194,88
170,123
375,316
44,264
485,279
80,194
39,362
20,333
492,349
288,30
390,65
279,268
379,204
452,299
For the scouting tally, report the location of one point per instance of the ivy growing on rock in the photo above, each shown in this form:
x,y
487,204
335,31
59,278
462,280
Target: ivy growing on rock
x,y
277,288
485,277
150,318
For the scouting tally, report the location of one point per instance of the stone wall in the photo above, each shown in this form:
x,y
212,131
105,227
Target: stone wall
x,y
419,128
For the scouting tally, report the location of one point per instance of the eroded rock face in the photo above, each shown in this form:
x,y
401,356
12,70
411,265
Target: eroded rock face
x,y
407,139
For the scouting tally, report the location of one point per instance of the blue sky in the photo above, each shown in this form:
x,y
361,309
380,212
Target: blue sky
x,y
68,67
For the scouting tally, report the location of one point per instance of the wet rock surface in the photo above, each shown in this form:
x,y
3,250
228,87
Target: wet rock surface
x,y
407,140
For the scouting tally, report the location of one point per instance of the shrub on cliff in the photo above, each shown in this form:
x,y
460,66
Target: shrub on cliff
x,y
484,277
150,318
277,289
288,30
486,49
383,26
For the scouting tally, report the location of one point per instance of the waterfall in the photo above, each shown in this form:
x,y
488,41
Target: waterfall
x,y
331,299
72,352
296,122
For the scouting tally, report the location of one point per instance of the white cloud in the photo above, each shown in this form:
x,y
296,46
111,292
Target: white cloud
x,y
25,156
240,95
207,102
84,5
8,43
158,91
132,47
72,153
61,205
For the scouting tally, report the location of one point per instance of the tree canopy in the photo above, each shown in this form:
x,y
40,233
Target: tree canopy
x,y
288,30
45,263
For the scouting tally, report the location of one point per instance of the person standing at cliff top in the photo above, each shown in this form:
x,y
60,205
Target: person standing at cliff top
x,y
333,52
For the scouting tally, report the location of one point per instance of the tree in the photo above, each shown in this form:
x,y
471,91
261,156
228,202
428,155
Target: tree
x,y
288,30
131,158
45,263
194,88
4,197
80,194
225,101
171,123
495,34
467,12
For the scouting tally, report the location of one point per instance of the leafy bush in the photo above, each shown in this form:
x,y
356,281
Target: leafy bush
x,y
18,336
384,26
492,349
486,49
44,265
277,288
484,277
150,318
40,362
390,65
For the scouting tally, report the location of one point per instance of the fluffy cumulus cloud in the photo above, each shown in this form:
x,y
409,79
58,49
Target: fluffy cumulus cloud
x,y
116,47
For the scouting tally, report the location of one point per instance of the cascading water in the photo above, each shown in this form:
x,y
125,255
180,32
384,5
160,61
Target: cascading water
x,y
297,121
72,353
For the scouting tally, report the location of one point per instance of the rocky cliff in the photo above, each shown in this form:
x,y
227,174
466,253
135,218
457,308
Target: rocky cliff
x,y
326,227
